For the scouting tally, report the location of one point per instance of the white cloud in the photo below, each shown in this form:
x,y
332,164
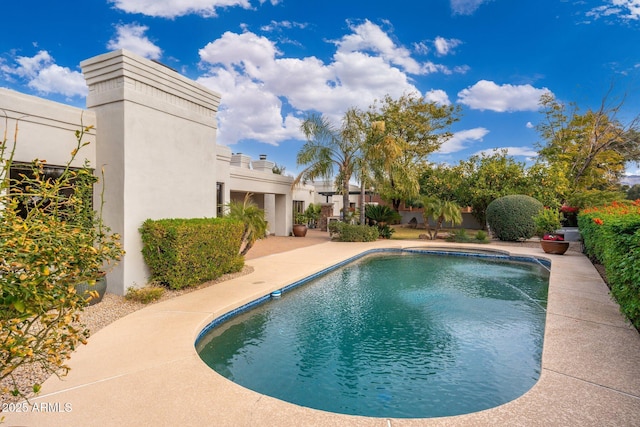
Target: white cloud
x,y
438,96
368,37
45,76
530,125
249,112
466,7
247,50
462,139
131,37
175,8
527,152
263,92
277,25
627,10
486,95
445,46
421,48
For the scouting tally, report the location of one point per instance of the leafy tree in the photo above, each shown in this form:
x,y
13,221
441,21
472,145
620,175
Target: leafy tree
x,y
331,151
487,177
633,193
591,198
413,128
440,211
255,224
442,182
51,239
547,183
592,148
374,151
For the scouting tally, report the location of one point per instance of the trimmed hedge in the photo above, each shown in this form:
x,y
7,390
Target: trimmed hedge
x,y
344,232
611,237
510,218
188,252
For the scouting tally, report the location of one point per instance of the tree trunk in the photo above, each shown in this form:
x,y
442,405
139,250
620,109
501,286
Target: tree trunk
x,y
362,196
345,201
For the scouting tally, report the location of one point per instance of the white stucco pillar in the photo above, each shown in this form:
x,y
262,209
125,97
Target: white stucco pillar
x,y
156,138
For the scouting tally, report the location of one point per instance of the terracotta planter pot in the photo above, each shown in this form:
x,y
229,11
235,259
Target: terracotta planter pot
x,y
299,230
555,247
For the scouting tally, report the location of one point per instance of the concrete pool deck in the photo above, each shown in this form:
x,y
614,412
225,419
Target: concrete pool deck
x,y
143,369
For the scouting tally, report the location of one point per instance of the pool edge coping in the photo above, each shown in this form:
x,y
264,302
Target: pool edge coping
x,y
545,403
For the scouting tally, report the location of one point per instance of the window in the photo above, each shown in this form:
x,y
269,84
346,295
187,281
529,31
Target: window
x,y
219,199
51,173
298,207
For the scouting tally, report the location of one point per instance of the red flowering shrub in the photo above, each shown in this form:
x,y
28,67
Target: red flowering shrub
x,y
569,209
611,236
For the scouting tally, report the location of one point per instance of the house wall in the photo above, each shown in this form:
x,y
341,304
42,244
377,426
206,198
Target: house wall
x,y
272,192
336,199
46,129
305,193
154,134
157,139
222,172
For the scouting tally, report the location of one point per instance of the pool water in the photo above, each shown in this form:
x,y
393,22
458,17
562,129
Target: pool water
x,y
400,336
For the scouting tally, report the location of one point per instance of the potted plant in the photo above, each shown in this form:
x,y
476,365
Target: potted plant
x,y
313,215
300,226
547,223
569,215
106,244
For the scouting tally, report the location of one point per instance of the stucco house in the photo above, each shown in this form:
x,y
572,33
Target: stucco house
x,y
154,133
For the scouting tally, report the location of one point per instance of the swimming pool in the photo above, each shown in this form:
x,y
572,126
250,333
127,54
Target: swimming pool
x,y
393,335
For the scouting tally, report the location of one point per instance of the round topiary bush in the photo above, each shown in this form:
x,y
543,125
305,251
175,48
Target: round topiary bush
x,y
510,218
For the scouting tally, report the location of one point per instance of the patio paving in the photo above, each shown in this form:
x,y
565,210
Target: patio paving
x,y
143,369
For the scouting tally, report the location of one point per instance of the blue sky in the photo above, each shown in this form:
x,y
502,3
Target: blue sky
x,y
275,60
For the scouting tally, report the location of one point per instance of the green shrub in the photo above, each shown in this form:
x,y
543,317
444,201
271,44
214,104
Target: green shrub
x,y
459,236
335,227
188,252
482,236
344,232
547,221
144,295
381,214
385,231
510,218
611,237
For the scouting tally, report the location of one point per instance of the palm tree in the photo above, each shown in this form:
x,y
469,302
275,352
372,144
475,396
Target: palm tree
x,y
331,151
441,211
255,224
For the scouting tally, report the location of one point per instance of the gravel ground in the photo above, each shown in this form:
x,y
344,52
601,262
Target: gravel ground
x,y
95,317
